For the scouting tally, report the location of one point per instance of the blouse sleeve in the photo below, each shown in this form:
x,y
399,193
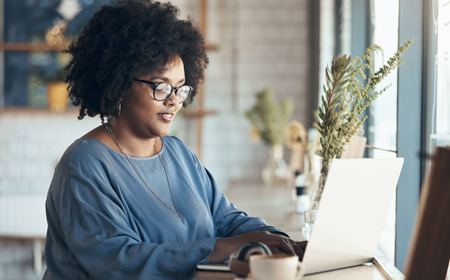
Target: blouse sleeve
x,y
102,241
228,219
231,221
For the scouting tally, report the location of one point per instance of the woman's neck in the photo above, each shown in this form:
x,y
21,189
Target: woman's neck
x,y
131,144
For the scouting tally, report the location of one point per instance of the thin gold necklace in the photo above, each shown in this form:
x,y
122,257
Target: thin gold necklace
x,y
113,137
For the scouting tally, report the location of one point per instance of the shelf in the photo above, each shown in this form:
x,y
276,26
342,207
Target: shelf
x,y
211,47
35,110
197,113
25,47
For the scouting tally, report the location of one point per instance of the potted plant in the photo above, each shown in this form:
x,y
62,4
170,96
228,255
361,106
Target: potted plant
x,y
270,120
57,94
348,92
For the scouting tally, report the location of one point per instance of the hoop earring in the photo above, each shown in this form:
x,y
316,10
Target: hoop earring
x,y
119,108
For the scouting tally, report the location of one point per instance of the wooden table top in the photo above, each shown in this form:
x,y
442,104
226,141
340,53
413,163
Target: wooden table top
x,y
367,272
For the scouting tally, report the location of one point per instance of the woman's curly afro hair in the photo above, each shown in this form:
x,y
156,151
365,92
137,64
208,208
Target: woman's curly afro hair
x,y
132,37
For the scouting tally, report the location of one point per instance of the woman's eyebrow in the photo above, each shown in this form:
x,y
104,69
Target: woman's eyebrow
x,y
165,79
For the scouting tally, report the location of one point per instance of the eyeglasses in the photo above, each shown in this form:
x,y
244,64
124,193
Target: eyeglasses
x,y
162,91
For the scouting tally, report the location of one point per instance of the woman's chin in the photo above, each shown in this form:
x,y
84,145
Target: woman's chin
x,y
163,132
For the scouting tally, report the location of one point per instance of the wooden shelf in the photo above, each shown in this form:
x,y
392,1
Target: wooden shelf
x,y
211,47
25,47
23,238
36,110
197,113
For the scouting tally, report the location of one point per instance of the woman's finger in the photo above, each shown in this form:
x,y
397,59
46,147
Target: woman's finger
x,y
275,251
302,244
298,250
280,242
284,245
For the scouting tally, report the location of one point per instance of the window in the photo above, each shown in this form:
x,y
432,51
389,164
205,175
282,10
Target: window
x,y
382,127
439,90
413,117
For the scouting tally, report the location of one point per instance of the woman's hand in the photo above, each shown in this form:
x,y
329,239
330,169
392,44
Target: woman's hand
x,y
302,245
299,247
278,244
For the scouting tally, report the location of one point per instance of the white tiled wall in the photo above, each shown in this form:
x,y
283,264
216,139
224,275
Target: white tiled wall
x,y
23,215
261,44
31,145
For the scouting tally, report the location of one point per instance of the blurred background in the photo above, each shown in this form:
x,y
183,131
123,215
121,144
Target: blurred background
x,y
281,45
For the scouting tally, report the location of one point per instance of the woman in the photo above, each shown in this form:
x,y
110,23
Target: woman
x,y
126,201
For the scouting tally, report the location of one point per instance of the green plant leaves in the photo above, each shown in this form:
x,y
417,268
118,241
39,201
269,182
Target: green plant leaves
x,y
270,118
346,96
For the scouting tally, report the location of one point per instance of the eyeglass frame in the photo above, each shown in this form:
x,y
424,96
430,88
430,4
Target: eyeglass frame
x,y
155,85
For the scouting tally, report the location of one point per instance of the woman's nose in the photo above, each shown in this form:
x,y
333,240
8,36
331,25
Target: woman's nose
x,y
173,99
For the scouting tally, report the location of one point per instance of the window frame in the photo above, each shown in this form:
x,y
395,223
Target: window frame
x,y
411,106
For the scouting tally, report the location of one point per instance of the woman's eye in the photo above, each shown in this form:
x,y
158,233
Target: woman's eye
x,y
164,90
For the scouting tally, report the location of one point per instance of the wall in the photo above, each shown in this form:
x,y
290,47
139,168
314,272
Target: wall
x,y
261,44
31,145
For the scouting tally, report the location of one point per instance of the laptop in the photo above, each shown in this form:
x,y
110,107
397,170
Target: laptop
x,y
352,213
351,217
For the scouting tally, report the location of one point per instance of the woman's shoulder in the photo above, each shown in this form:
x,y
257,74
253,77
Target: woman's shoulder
x,y
174,145
82,161
84,152
85,147
174,142
180,152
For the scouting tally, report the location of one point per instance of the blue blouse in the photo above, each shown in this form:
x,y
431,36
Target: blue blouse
x,y
104,223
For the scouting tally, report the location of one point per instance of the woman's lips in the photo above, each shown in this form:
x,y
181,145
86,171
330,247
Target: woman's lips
x,y
166,117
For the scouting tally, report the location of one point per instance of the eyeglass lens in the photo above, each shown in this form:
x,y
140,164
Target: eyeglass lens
x,y
164,89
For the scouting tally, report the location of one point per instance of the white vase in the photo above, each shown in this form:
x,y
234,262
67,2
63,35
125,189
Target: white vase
x,y
310,214
275,172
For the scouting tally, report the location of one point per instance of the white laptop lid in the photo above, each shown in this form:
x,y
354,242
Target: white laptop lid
x,y
352,213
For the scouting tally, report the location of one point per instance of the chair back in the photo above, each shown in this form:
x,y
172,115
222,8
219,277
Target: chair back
x,y
430,244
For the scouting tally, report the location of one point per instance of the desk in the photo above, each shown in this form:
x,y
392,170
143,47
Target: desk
x,y
274,205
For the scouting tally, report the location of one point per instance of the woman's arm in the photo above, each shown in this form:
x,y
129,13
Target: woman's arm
x,y
92,234
235,228
109,249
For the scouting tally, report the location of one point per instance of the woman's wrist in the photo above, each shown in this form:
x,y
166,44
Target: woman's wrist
x,y
227,245
223,249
